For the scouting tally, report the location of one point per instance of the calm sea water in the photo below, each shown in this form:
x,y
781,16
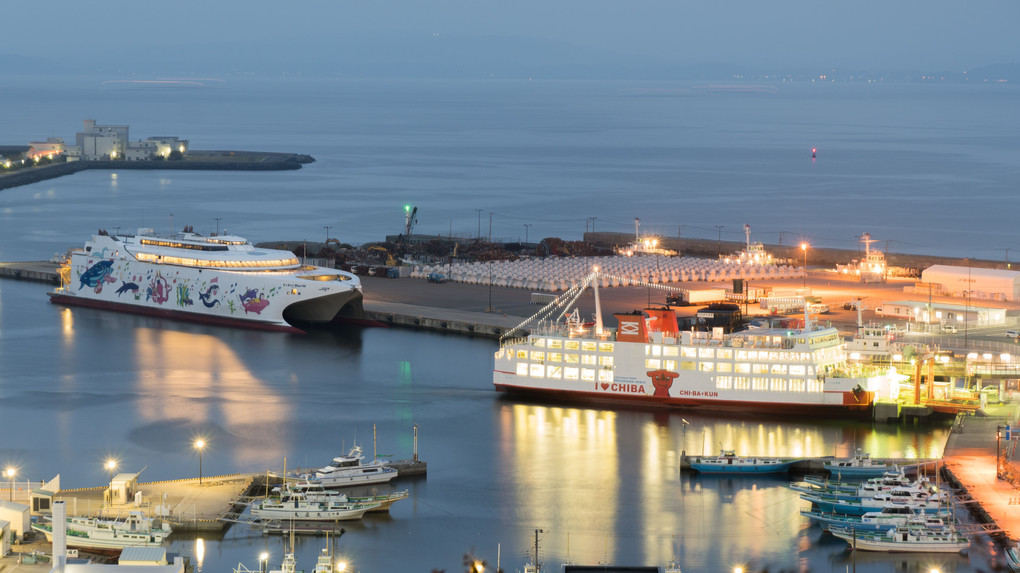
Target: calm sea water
x,y
78,385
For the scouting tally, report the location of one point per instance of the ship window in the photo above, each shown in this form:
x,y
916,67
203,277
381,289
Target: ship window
x,y
570,358
779,368
706,366
539,342
652,363
499,353
797,370
742,355
606,360
571,344
555,357
324,278
605,347
669,364
706,353
605,375
796,385
656,350
777,385
522,368
686,365
742,368
293,291
741,383
724,382
537,370
588,359
570,373
689,352
671,351
759,368
726,353
537,355
522,354
555,343
724,367
554,372
758,383
588,346
588,374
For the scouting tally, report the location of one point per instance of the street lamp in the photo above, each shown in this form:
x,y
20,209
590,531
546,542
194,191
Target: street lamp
x,y
263,558
803,247
199,444
718,247
526,225
10,475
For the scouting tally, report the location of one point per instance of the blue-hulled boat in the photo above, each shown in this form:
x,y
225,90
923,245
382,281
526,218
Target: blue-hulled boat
x,y
890,517
727,462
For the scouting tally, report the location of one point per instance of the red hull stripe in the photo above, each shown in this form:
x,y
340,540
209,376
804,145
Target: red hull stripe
x,y
650,401
171,314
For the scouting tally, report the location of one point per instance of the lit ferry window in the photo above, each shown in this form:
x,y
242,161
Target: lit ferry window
x,y
537,371
671,351
652,363
669,364
587,374
588,359
588,346
726,353
538,342
522,368
605,347
706,366
605,375
537,355
571,359
706,353
522,354
555,357
555,343
724,367
571,345
554,372
606,360
570,373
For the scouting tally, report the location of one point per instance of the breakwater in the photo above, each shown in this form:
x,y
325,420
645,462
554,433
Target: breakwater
x,y
206,160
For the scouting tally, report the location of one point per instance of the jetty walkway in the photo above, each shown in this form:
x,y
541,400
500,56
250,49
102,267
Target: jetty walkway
x,y
970,463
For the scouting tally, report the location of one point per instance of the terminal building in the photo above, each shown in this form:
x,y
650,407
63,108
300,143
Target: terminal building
x,y
942,313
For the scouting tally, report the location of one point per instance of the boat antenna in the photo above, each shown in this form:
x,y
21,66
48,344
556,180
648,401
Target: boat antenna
x,y
598,305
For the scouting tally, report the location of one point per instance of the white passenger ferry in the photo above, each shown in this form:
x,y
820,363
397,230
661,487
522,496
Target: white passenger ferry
x,y
219,279
647,360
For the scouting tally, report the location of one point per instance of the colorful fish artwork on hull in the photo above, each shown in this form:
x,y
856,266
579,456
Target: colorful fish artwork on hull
x,y
96,275
127,287
253,301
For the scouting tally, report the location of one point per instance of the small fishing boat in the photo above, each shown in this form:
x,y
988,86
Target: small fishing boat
x,y
349,470
291,504
727,462
135,530
315,491
925,501
905,538
887,481
859,466
890,516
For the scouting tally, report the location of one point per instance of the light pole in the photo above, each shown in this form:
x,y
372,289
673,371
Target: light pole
x,y
803,247
218,219
526,225
199,444
998,436
490,288
327,235
263,559
718,247
10,475
479,211
111,466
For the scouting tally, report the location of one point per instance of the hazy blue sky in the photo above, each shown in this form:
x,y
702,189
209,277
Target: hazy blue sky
x,y
192,34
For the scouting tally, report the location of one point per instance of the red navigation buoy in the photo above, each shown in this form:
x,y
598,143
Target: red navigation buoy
x,y
813,150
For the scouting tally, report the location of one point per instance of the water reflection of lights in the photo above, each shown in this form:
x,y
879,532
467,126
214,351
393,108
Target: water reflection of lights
x,y
199,553
201,379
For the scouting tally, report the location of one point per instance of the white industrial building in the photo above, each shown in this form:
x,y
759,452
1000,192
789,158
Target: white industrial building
x,y
973,282
942,313
97,142
17,516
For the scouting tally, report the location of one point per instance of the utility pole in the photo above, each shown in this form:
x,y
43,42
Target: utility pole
x,y
327,235
218,219
490,226
537,566
718,247
479,211
526,225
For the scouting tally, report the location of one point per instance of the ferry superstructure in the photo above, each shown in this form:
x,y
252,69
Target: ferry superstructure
x,y
220,279
648,361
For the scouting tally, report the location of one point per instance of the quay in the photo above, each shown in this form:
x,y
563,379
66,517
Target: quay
x,y
195,159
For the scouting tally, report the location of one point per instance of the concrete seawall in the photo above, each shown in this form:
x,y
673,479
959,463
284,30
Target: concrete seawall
x,y
196,160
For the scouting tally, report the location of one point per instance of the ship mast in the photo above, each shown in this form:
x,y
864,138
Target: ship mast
x,y
598,305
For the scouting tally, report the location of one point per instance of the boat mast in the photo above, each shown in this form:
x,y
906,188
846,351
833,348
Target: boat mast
x,y
598,306
747,231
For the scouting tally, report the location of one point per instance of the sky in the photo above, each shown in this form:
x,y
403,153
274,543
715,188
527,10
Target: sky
x,y
320,34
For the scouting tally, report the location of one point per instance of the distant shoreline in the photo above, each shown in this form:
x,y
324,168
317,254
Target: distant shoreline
x,y
208,160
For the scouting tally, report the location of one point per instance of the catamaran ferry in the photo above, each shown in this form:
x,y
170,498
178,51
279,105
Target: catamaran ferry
x,y
647,360
221,279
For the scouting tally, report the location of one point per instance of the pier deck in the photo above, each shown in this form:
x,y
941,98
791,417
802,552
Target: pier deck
x,y
970,459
